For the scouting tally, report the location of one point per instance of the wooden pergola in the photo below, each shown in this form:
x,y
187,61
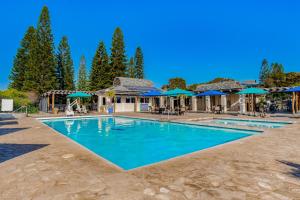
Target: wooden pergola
x,y
295,97
48,98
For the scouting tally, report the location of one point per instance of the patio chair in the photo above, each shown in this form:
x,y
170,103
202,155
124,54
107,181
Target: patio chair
x,y
69,112
182,110
151,109
218,110
78,109
161,110
213,109
157,110
84,110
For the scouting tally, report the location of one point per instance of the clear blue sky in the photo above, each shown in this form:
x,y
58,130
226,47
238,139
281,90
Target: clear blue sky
x,y
196,40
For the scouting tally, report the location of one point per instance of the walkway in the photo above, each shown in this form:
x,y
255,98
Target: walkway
x,y
37,163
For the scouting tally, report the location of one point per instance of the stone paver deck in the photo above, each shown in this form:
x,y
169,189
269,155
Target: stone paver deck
x,y
38,163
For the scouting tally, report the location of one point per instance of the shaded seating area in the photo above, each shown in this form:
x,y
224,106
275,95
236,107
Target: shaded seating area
x,y
154,107
295,98
248,100
174,102
179,96
57,101
215,102
218,109
80,108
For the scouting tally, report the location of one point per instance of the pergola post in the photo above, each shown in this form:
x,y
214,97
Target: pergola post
x,y
53,102
161,101
297,103
172,103
207,104
194,103
293,103
48,103
242,104
136,104
182,100
224,103
100,103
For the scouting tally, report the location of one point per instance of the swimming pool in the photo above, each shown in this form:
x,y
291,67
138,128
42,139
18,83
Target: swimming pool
x,y
251,123
130,143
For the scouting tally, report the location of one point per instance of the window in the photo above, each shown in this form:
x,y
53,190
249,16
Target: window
x,y
144,100
118,99
130,100
104,101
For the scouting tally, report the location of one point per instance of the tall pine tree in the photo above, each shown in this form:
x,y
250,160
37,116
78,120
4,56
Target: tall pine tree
x,y
139,63
45,51
21,60
130,72
277,74
65,68
264,72
118,58
82,82
32,74
101,73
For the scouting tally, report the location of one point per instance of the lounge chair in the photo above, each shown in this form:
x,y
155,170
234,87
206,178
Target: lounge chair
x,y
79,109
69,112
218,109
84,110
182,110
213,109
151,109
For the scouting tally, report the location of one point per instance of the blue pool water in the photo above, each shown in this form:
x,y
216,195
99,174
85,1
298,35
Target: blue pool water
x,y
131,143
251,123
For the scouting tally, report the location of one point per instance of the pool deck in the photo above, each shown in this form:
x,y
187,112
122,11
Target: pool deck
x,y
38,163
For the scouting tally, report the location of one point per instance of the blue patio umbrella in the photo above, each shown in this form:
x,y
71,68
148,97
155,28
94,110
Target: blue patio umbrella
x,y
211,93
152,93
294,89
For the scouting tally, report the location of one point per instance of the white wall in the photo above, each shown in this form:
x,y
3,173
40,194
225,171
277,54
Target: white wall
x,y
7,105
124,107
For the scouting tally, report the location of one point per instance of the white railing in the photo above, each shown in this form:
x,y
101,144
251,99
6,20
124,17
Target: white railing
x,y
20,109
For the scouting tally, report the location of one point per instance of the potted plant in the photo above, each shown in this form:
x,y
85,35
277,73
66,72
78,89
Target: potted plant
x,y
111,95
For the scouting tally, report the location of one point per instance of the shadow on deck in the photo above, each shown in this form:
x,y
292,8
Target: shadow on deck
x,y
295,168
10,151
4,131
2,123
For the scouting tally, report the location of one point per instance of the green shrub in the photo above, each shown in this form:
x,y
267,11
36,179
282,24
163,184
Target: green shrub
x,y
20,99
32,108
